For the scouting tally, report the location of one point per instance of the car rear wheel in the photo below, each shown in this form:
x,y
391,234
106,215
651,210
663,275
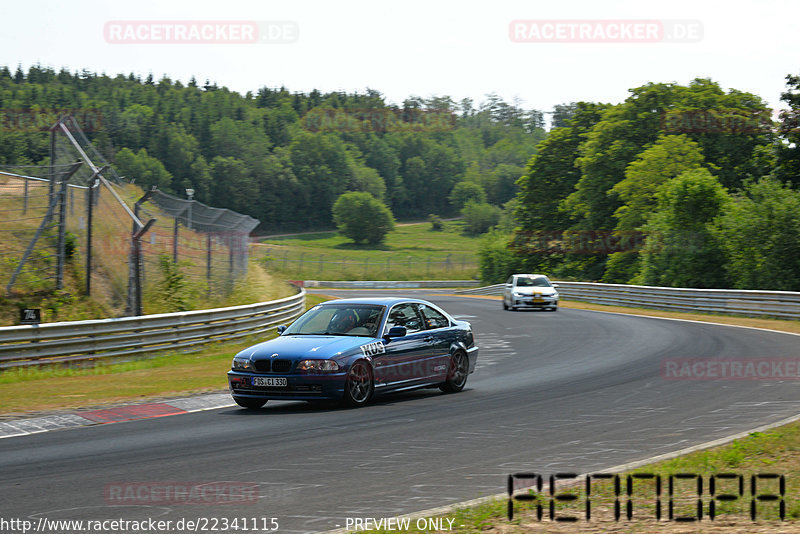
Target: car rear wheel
x,y
457,374
252,404
359,386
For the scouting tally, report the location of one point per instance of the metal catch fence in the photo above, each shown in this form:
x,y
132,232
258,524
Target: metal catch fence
x,y
78,215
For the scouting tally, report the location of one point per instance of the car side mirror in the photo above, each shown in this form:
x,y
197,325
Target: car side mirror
x,y
281,329
555,285
396,331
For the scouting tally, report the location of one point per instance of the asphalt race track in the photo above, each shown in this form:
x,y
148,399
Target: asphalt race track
x,y
572,391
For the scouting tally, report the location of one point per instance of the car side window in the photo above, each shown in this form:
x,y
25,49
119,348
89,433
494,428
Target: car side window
x,y
433,319
510,280
404,315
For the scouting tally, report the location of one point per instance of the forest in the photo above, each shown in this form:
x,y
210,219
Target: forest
x,y
278,156
678,185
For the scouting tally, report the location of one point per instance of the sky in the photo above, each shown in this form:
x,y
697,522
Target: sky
x,y
463,49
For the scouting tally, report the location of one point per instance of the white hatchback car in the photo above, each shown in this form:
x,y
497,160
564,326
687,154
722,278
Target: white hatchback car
x,y
530,291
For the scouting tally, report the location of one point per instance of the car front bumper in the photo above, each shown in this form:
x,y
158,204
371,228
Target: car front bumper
x,y
328,386
534,302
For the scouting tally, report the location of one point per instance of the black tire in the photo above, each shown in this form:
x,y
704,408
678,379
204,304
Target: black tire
x,y
359,386
505,306
250,403
554,308
457,373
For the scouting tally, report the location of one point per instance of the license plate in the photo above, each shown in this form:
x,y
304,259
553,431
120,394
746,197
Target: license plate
x,y
538,300
262,381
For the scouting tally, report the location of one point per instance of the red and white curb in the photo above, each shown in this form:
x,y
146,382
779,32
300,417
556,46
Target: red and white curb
x,y
117,414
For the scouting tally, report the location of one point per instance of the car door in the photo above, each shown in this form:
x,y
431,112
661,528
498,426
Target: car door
x,y
397,367
438,331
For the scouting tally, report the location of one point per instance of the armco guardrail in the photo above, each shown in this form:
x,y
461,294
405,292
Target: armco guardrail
x,y
78,341
783,304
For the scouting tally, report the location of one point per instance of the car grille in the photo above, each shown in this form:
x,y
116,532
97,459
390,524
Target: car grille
x,y
281,366
273,366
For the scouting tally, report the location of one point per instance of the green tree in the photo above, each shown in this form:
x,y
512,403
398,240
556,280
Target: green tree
x,y
479,217
145,170
320,163
788,150
760,235
681,249
233,185
551,174
668,157
464,192
701,110
362,218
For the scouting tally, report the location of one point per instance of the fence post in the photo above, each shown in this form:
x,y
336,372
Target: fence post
x,y
175,241
25,199
89,217
208,260
62,224
231,276
135,265
136,244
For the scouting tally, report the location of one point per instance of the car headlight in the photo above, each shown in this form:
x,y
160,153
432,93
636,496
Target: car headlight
x,y
518,294
317,365
242,364
555,295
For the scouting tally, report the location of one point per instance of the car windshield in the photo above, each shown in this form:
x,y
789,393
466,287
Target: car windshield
x,y
539,281
340,320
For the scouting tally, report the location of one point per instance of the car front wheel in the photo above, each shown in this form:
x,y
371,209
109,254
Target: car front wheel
x,y
250,403
359,386
457,374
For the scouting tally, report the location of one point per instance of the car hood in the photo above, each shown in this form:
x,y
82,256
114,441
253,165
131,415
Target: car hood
x,y
532,290
300,347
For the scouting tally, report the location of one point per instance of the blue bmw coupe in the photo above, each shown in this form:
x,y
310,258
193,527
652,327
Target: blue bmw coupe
x,y
352,349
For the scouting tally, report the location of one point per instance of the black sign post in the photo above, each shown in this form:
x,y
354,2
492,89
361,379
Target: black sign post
x,y
30,316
